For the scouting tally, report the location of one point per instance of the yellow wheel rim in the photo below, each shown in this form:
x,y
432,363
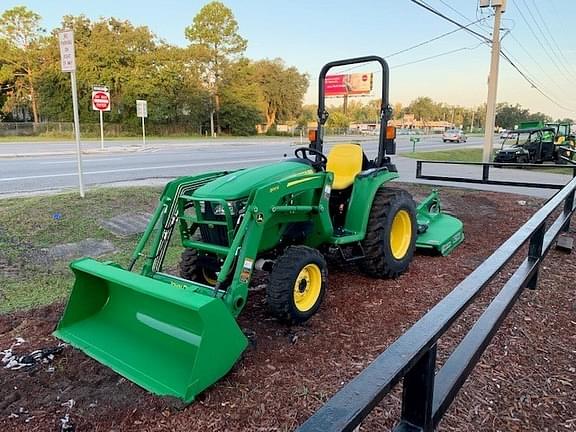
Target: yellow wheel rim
x,y
307,287
209,277
400,234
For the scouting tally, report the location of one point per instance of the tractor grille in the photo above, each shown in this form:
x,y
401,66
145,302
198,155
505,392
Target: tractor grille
x,y
214,234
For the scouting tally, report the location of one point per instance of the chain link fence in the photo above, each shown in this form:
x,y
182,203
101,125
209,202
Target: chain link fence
x,y
92,130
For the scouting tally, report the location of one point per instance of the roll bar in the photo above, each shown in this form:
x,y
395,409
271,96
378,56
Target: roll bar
x,y
384,145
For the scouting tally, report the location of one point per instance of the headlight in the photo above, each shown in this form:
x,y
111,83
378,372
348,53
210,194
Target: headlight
x,y
217,209
233,206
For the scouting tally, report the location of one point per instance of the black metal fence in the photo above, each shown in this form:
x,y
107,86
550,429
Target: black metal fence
x,y
412,357
486,168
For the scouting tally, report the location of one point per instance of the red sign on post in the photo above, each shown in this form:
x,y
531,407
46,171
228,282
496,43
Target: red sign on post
x,y
351,84
100,101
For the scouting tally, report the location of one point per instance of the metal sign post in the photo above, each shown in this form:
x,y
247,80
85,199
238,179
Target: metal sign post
x,y
68,64
101,103
142,112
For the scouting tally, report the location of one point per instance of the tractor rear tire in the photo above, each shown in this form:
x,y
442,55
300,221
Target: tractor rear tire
x,y
192,269
297,285
390,235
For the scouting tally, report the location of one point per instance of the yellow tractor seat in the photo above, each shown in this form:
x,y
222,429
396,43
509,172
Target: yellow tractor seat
x,y
345,161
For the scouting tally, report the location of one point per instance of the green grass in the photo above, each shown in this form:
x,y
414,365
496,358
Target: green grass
x,y
463,155
28,225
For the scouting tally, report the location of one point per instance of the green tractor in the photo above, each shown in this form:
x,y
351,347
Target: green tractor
x,y
177,335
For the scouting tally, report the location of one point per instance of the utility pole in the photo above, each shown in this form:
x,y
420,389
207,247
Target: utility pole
x,y
499,8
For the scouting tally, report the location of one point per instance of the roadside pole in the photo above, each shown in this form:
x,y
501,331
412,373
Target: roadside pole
x,y
68,64
499,7
143,132
101,131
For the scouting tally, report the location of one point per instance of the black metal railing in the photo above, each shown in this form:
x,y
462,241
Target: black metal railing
x,y
568,155
412,357
486,168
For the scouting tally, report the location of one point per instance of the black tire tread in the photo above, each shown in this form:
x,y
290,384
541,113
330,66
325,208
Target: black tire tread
x,y
281,283
189,268
376,263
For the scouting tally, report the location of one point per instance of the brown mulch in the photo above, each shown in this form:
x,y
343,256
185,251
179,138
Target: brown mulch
x,y
525,381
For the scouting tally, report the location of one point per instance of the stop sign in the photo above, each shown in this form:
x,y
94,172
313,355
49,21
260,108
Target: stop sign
x,y
100,101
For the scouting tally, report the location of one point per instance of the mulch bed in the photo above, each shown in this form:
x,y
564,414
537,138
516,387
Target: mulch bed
x,y
525,381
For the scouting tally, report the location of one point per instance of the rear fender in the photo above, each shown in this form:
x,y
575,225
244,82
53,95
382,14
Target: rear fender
x,y
365,186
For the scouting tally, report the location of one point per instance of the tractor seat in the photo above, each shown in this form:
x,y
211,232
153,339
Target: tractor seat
x,y
345,161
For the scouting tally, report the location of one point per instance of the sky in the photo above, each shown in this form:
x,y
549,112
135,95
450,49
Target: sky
x,y
538,35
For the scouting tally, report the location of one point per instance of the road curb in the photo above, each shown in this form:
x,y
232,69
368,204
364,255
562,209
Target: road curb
x,y
72,153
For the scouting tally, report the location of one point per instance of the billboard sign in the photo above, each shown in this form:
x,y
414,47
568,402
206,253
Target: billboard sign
x,y
356,84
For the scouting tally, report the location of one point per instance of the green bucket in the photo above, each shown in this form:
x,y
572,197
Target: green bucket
x,y
168,340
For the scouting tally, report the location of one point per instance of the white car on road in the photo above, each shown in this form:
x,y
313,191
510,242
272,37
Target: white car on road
x,y
454,135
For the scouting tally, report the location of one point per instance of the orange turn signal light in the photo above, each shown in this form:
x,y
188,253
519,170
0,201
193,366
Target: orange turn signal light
x,y
312,134
390,132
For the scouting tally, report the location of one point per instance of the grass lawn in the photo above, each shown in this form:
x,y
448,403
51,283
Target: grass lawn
x,y
27,225
464,155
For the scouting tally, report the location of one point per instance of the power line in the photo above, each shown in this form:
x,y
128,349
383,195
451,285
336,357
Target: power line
x,y
483,38
437,37
437,55
533,84
456,23
529,54
546,51
552,38
418,45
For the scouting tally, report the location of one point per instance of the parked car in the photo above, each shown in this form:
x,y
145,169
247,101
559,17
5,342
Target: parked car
x,y
454,135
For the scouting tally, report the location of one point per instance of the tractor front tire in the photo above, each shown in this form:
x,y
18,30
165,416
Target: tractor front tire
x,y
192,269
390,235
297,284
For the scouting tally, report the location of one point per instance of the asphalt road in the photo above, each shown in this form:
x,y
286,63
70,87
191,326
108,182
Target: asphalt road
x,y
52,166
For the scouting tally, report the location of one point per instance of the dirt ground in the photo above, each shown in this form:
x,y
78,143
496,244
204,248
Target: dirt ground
x,y
525,381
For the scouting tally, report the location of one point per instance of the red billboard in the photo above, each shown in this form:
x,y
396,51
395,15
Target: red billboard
x,y
349,84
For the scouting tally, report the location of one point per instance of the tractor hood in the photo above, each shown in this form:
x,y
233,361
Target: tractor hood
x,y
239,184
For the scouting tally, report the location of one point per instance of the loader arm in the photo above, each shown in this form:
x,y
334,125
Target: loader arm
x,y
268,209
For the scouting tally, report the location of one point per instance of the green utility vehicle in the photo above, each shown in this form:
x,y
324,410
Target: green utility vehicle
x,y
177,335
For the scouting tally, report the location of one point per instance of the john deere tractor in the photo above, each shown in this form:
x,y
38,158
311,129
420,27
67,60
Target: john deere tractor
x,y
177,335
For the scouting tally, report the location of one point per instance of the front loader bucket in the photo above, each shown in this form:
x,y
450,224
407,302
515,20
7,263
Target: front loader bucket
x,y
169,340
437,230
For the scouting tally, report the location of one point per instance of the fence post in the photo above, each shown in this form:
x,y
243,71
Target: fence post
x,y
568,206
535,252
485,172
418,393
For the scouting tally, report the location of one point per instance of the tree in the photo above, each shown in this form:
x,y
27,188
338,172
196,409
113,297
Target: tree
x,y
242,105
337,119
21,46
282,90
423,108
508,116
215,41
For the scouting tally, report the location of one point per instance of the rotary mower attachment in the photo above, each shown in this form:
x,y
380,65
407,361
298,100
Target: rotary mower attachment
x,y
437,230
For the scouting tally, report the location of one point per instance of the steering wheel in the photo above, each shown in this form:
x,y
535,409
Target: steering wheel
x,y
319,161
